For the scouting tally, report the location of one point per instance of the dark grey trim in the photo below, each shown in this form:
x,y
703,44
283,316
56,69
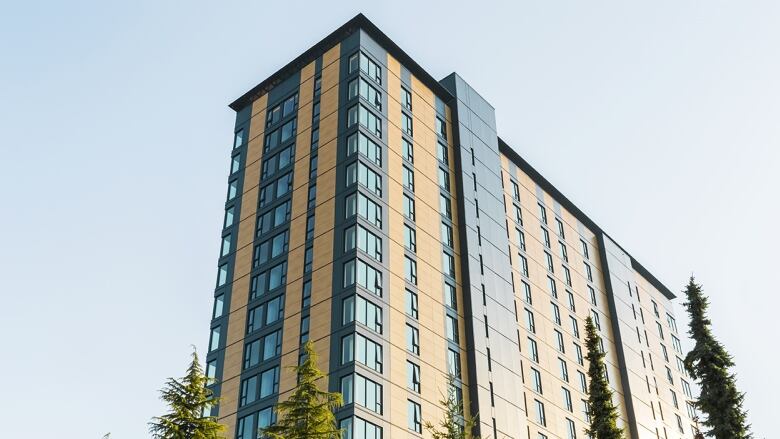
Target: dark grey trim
x,y
358,22
623,365
580,215
465,280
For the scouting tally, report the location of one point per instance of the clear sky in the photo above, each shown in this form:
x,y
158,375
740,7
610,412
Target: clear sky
x,y
661,120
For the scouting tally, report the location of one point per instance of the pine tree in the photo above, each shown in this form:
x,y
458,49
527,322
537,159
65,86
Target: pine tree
x,y
709,364
308,413
454,425
603,413
188,399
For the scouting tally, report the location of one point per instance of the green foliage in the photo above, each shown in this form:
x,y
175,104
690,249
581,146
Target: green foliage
x,y
308,413
188,399
454,425
709,364
603,413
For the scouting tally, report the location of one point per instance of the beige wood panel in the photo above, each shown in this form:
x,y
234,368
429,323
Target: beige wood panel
x,y
234,345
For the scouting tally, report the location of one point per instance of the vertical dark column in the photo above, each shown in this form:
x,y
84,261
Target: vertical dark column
x,y
493,353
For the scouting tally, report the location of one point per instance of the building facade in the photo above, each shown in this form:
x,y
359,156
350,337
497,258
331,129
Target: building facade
x,y
375,211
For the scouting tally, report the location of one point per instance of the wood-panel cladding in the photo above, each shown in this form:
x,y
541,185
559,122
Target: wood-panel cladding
x,y
239,296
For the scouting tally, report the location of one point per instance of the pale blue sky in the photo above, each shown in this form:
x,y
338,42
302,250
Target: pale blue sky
x,y
659,119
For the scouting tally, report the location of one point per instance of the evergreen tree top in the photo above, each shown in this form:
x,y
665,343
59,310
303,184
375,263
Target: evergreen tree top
x,y
709,364
308,412
602,411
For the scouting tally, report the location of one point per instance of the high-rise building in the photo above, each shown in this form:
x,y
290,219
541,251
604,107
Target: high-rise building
x,y
374,210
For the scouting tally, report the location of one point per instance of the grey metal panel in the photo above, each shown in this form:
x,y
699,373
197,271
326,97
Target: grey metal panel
x,y
475,131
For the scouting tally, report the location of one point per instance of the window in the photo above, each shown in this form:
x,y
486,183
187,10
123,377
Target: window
x,y
362,391
546,237
564,369
359,142
366,276
356,308
452,328
559,338
366,241
450,299
676,344
660,330
214,339
235,164
669,376
415,417
533,350
444,179
575,328
357,428
567,400
552,287
310,228
412,339
453,363
572,429
518,215
238,139
406,98
408,207
588,271
442,153
248,391
446,235
671,322
277,276
448,264
308,259
540,418
564,252
410,238
556,313
229,214
410,270
360,204
445,206
406,124
583,382
584,246
211,371
524,265
232,189
358,172
441,127
536,379
317,85
520,239
411,304
360,86
566,274
527,292
407,150
592,295
596,320
529,321
515,191
408,178
578,352
269,382
570,295
304,329
222,275
366,65
561,231
219,306
361,114
550,266
355,347
542,214
413,376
